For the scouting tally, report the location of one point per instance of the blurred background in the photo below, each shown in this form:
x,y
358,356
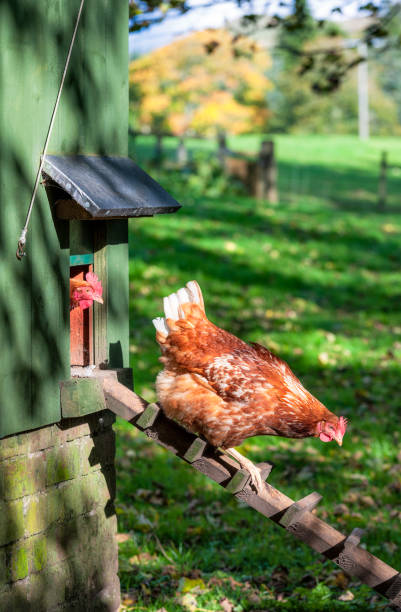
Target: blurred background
x,y
277,126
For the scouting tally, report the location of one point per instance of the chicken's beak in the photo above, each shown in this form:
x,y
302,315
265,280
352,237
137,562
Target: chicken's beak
x,y
98,299
338,438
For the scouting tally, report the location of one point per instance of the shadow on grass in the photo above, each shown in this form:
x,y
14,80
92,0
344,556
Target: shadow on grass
x,y
239,272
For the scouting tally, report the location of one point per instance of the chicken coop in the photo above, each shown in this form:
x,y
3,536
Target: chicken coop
x,y
57,475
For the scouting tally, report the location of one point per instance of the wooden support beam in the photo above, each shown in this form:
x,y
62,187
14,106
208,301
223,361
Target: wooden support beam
x,y
393,592
307,527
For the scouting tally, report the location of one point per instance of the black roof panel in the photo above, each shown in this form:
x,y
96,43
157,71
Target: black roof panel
x,y
109,187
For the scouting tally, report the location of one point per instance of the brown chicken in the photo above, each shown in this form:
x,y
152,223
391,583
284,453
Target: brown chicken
x,y
218,386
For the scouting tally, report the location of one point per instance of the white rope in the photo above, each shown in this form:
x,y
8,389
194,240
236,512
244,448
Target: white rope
x,y
22,239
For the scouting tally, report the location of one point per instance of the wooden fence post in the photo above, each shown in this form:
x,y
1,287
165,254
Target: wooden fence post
x,y
383,182
266,179
222,147
158,156
182,152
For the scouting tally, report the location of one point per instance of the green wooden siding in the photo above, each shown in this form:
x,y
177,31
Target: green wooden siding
x,y
92,118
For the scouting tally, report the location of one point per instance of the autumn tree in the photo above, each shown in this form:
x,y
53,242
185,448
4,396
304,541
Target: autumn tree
x,y
201,84
293,18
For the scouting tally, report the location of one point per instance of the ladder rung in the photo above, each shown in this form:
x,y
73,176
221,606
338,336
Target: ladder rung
x,y
238,481
148,416
265,469
354,537
195,450
297,509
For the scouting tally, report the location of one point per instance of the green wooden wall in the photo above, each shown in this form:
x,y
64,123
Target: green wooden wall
x,y
92,118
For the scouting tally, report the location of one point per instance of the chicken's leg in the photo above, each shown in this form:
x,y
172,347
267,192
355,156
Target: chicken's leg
x,y
254,472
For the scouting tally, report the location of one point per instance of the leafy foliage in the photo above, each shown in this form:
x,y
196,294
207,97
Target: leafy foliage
x,y
296,25
316,279
184,88
296,107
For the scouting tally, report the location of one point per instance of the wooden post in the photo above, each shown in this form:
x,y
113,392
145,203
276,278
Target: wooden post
x,y
182,152
383,182
222,147
266,179
158,149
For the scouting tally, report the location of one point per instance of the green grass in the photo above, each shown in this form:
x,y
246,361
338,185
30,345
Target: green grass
x,y
315,278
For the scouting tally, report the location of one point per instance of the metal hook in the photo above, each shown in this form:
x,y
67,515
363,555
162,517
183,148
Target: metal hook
x,y
20,250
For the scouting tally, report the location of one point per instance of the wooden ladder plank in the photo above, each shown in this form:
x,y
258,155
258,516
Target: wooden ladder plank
x,y
272,503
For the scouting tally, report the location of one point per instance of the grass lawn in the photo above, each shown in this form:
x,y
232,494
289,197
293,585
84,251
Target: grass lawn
x,y
315,278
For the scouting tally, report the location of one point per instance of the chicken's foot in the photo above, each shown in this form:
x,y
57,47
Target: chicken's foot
x,y
254,472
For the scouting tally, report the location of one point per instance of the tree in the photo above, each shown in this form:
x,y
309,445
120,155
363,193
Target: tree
x,y
297,104
331,64
201,84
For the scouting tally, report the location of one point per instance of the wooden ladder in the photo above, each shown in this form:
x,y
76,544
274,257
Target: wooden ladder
x,y
296,517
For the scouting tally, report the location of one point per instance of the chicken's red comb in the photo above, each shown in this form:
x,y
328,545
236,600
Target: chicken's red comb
x,y
342,424
94,282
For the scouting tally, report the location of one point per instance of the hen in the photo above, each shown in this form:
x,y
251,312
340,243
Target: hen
x,y
84,292
218,386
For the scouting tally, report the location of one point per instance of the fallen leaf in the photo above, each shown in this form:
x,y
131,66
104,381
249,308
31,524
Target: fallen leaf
x,y
188,602
122,537
368,501
351,497
340,509
142,558
230,246
254,598
389,228
186,585
323,358
226,605
170,570
347,596
128,601
298,350
195,573
196,530
145,589
341,580
143,523
390,547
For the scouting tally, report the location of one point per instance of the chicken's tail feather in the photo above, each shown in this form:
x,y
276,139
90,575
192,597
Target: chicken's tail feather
x,y
174,306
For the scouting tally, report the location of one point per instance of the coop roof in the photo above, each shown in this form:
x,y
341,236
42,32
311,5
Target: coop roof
x,y
107,187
